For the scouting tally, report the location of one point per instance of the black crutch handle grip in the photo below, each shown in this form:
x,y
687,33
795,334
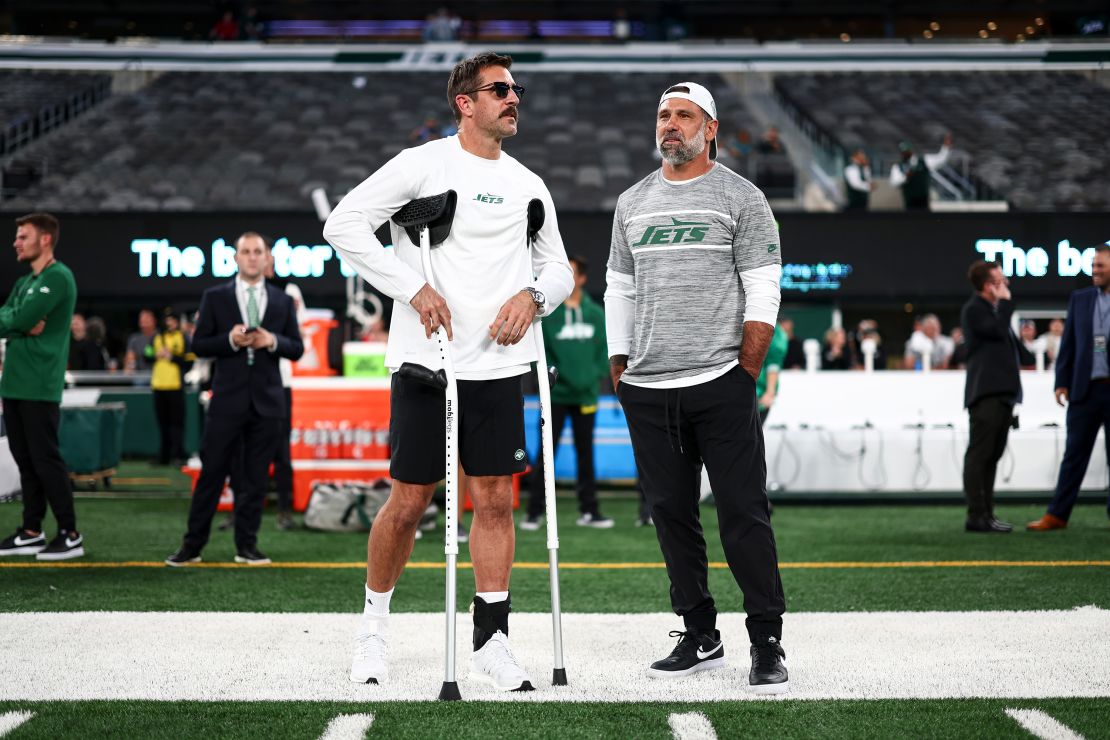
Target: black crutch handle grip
x,y
421,374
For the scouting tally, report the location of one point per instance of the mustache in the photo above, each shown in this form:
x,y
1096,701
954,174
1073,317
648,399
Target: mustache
x,y
511,113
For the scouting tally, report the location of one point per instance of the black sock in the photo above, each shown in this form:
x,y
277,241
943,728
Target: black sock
x,y
490,618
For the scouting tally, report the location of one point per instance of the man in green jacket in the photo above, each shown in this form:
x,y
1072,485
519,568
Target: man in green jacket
x,y
35,320
767,384
574,337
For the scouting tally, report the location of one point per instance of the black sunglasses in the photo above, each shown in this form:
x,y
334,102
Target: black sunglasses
x,y
500,89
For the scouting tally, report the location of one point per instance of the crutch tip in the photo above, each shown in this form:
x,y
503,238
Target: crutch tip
x,y
559,677
450,691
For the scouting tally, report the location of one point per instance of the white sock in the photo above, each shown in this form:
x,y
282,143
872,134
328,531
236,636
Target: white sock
x,y
375,611
493,597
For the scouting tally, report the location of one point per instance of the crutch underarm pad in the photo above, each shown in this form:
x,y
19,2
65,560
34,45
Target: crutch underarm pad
x,y
427,376
435,212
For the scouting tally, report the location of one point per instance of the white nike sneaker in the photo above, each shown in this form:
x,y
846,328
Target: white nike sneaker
x,y
370,656
496,665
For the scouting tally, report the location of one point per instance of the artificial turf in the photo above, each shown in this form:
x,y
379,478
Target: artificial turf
x,y
955,718
148,530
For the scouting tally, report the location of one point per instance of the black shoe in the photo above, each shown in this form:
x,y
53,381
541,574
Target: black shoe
x,y
285,521
64,546
183,556
768,674
23,543
227,523
464,533
251,556
987,524
697,650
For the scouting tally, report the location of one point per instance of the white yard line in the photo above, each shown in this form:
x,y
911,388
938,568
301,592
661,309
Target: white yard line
x,y
1043,725
11,720
691,726
211,656
348,727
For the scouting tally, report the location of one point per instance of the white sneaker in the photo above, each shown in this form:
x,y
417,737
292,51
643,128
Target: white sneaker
x,y
496,665
531,523
597,521
369,662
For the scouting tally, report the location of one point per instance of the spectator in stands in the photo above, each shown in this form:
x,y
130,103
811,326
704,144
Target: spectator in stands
x,y
622,28
1029,346
225,29
136,356
835,354
958,361
795,355
97,331
443,25
991,390
1051,340
574,338
83,352
914,174
171,353
36,322
857,182
930,341
867,329
253,28
427,131
740,145
771,143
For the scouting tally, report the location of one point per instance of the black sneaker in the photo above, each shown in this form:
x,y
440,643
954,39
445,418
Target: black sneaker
x,y
285,521
251,556
64,546
464,533
698,650
183,556
23,543
768,674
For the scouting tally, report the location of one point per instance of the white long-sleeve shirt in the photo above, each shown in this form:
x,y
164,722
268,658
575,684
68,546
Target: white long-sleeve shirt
x,y
932,161
483,263
858,178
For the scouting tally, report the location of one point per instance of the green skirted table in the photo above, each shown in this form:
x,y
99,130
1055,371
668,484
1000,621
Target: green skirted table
x,y
91,441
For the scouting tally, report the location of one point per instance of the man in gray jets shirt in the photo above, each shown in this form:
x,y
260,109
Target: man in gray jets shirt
x,y
691,304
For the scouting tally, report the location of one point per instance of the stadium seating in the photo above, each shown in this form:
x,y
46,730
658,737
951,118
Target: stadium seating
x,y
231,141
34,102
1038,138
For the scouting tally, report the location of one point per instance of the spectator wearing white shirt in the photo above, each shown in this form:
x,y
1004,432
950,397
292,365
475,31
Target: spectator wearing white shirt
x,y
928,342
857,182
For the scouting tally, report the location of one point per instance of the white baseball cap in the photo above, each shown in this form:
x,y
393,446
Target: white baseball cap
x,y
699,95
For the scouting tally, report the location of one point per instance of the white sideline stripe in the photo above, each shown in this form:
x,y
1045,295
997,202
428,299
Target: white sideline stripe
x,y
11,720
348,727
1042,725
283,657
691,726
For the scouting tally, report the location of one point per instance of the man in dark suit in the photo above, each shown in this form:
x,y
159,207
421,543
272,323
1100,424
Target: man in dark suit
x,y
992,389
247,326
1083,383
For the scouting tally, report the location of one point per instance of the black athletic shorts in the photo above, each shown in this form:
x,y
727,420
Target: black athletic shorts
x,y
490,425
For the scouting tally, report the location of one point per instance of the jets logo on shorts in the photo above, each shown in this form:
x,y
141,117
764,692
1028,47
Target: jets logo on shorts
x,y
519,454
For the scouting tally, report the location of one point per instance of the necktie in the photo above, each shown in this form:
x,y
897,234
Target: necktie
x,y
252,318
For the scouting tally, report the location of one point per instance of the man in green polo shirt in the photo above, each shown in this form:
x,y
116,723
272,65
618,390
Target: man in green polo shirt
x,y
35,320
574,338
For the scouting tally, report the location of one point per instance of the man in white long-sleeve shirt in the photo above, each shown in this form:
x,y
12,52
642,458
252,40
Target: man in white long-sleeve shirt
x,y
691,301
914,174
857,182
491,287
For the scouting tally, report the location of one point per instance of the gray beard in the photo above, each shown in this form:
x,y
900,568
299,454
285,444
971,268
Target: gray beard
x,y
685,151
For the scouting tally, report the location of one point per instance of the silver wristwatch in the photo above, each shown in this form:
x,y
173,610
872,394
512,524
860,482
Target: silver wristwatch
x,y
538,299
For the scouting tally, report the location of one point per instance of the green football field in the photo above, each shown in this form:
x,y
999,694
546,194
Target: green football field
x,y
865,586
